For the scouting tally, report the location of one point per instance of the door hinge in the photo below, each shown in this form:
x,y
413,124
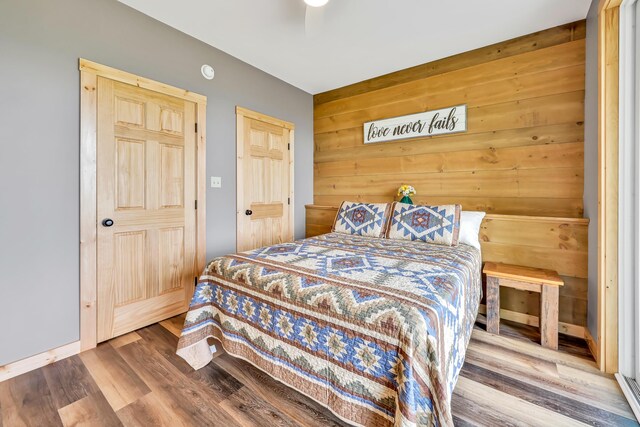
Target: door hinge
x,y
288,200
289,146
196,127
196,204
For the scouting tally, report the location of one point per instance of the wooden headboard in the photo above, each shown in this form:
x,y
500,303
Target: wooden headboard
x,y
545,242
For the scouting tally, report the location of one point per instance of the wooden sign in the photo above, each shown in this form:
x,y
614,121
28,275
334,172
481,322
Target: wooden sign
x,y
429,123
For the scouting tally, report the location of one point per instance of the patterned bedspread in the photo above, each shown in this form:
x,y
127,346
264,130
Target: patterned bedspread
x,y
374,329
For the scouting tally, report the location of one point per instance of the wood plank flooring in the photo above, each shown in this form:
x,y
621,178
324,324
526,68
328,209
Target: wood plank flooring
x,y
137,380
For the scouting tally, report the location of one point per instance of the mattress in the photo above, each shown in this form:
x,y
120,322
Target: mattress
x,y
374,329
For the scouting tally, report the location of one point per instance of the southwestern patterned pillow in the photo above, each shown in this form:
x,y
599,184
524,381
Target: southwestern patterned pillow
x,y
430,224
363,219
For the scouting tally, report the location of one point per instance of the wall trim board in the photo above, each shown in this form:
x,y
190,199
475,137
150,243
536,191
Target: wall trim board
x,y
241,111
292,182
89,72
31,363
143,82
593,345
201,185
516,218
530,71
608,152
541,39
495,116
88,210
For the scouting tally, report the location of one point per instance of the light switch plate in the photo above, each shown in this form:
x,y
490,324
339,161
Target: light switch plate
x,y
216,182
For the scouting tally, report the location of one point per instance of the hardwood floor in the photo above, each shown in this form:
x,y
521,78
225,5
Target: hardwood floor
x,y
137,380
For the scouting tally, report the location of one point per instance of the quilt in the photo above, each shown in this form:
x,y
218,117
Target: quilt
x,y
374,329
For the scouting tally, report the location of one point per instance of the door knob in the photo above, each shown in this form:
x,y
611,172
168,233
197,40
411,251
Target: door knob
x,y
107,222
248,212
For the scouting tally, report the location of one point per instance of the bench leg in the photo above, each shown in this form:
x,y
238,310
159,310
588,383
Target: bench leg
x,y
493,305
549,316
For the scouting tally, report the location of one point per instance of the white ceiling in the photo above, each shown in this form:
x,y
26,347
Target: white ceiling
x,y
357,39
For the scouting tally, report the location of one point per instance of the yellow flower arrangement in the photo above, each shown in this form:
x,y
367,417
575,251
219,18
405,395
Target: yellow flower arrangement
x,y
406,191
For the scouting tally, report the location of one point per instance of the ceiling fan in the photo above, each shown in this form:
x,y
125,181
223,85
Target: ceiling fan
x,y
314,16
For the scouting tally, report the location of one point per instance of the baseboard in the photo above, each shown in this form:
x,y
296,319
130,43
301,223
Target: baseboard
x,y
564,328
23,366
593,345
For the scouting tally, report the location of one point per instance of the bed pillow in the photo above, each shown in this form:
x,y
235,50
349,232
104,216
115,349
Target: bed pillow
x,y
470,228
362,219
430,224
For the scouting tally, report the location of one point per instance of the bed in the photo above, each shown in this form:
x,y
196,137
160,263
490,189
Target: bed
x,y
374,329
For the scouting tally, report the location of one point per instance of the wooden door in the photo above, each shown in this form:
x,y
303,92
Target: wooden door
x,y
146,192
265,185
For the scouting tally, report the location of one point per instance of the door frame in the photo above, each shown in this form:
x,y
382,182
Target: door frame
x,y
241,113
608,183
89,73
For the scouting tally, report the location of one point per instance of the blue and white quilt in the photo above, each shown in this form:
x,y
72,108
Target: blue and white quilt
x,y
374,329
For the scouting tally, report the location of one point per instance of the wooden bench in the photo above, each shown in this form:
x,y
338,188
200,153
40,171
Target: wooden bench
x,y
546,282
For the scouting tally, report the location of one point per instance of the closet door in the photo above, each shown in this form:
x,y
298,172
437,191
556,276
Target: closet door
x,y
146,187
265,167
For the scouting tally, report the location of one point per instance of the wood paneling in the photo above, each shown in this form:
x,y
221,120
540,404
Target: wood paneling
x,y
130,185
517,77
130,112
521,159
535,206
554,243
523,152
531,42
556,183
172,176
171,259
548,83
171,121
570,155
129,267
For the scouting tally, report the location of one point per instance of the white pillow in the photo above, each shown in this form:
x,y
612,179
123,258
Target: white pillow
x,y
470,228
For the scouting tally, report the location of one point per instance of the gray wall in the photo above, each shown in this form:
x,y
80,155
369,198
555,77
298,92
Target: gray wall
x,y
591,163
40,43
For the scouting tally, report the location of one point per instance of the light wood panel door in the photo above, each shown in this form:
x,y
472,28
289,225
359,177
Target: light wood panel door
x,y
265,170
146,212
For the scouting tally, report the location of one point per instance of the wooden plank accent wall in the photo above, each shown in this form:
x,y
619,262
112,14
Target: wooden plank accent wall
x,y
544,242
521,159
522,153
